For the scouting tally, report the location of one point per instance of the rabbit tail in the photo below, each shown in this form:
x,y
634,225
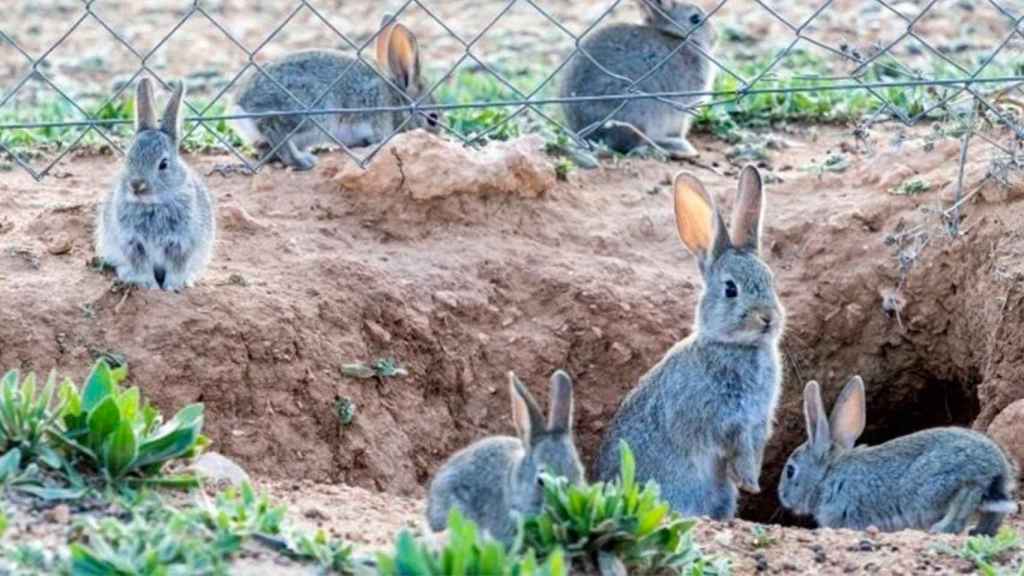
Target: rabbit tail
x,y
997,503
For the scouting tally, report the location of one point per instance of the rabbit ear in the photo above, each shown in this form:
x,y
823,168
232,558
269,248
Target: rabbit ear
x,y
746,216
525,414
847,421
814,412
652,6
560,412
403,57
171,121
145,114
387,24
700,225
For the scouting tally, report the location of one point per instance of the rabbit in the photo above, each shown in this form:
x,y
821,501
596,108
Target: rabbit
x,y
330,79
631,51
157,227
495,481
699,419
935,479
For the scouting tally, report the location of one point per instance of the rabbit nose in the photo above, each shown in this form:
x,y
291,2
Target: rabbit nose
x,y
138,185
764,318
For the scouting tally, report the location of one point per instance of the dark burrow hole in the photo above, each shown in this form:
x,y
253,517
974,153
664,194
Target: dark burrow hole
x,y
897,405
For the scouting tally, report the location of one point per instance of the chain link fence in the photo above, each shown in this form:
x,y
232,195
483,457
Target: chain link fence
x,y
494,68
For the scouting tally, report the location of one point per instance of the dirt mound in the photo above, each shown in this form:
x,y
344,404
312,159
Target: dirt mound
x,y
458,289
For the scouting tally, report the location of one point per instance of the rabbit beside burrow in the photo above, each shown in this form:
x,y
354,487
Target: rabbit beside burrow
x,y
157,226
496,481
699,419
934,479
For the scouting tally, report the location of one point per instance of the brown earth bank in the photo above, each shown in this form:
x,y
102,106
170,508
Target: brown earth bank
x,y
312,274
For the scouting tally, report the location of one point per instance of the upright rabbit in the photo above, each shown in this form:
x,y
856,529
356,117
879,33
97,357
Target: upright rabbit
x,y
615,56
699,419
934,479
330,79
496,480
157,228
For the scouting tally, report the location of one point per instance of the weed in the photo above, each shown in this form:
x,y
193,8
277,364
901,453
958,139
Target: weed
x,y
465,553
620,519
762,539
986,551
912,187
28,419
380,368
160,539
345,409
119,435
563,167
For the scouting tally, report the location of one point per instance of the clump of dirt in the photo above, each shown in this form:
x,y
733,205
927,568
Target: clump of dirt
x,y
459,289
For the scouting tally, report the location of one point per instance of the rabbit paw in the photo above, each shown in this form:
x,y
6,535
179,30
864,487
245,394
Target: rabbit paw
x,y
745,480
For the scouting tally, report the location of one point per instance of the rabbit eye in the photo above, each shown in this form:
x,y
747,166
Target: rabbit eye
x,y
731,291
695,19
432,119
163,164
540,481
790,471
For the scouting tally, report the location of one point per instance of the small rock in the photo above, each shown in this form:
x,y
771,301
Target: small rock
x,y
59,514
219,469
424,167
378,331
622,353
1008,429
59,246
234,217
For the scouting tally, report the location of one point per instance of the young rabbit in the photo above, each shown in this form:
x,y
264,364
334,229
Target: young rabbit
x,y
699,419
157,228
330,79
496,480
935,479
629,52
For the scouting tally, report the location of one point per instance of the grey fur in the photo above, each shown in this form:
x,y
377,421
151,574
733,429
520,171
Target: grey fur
x,y
699,419
935,479
308,74
631,51
495,481
156,227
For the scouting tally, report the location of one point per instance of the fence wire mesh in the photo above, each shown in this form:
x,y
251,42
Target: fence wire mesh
x,y
493,68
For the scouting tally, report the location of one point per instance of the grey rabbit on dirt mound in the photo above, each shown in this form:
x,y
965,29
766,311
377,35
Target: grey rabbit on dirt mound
x,y
157,226
631,51
699,419
330,79
495,481
935,479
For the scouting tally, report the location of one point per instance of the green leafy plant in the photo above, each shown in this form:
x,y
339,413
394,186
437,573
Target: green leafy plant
x,y
986,551
28,418
120,435
619,519
466,553
203,539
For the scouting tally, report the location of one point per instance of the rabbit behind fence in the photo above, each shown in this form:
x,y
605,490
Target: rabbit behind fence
x,y
497,480
935,479
613,57
699,419
157,226
329,79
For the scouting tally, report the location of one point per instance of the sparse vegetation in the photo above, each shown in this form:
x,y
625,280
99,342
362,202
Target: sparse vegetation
x,y
987,551
466,553
380,368
202,539
620,521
